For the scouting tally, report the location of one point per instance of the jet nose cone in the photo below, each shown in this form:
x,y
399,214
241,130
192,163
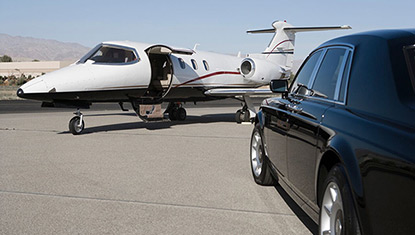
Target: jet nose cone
x,y
20,93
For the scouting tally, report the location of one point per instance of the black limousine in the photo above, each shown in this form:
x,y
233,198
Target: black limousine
x,y
341,139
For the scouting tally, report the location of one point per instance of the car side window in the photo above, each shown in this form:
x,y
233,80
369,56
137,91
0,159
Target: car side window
x,y
305,74
325,82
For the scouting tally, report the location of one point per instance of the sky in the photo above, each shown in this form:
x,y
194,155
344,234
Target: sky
x,y
217,25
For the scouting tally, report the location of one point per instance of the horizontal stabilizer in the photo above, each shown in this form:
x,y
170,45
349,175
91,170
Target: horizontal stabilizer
x,y
301,29
306,29
231,92
261,31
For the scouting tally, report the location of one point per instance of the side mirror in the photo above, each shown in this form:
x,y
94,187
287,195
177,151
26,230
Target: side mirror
x,y
279,86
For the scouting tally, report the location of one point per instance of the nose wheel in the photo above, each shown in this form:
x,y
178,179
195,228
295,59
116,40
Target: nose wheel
x,y
77,124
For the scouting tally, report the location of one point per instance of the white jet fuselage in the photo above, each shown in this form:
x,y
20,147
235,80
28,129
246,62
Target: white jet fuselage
x,y
155,73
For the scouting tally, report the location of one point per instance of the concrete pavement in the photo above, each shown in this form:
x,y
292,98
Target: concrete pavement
x,y
124,176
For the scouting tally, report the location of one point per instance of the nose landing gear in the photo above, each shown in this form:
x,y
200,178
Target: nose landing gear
x,y
77,124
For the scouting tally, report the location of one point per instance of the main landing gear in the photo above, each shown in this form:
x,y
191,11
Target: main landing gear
x,y
243,115
247,113
176,111
77,124
152,112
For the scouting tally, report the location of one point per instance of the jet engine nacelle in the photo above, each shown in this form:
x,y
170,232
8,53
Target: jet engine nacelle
x,y
258,70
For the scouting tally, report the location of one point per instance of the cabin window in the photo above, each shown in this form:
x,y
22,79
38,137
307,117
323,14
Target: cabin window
x,y
182,63
110,54
194,64
206,65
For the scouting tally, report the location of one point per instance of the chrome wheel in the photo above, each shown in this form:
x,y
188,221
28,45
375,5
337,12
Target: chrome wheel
x,y
332,213
256,154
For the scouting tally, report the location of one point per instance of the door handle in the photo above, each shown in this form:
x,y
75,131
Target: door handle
x,y
294,108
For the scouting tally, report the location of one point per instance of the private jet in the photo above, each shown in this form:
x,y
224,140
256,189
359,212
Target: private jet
x,y
146,75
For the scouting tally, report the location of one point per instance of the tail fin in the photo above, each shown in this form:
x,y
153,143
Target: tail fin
x,y
281,48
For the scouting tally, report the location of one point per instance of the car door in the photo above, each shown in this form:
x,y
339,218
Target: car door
x,y
277,114
307,105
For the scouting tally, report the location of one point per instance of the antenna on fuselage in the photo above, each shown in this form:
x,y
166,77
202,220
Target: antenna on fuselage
x,y
195,47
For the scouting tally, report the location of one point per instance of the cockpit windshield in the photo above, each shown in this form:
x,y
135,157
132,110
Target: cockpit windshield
x,y
111,54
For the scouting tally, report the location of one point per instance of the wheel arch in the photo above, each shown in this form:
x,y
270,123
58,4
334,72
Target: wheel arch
x,y
338,150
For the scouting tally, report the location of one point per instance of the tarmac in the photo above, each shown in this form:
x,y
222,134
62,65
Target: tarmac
x,y
125,176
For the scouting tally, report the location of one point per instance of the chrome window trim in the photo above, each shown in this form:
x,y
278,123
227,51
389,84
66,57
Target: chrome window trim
x,y
317,68
350,52
347,77
340,76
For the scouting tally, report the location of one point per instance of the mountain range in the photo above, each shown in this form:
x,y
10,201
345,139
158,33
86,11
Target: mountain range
x,y
28,49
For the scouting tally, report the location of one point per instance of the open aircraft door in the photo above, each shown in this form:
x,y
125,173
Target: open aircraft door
x,y
162,69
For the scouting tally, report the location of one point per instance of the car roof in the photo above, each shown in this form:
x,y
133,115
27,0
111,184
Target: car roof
x,y
374,35
379,78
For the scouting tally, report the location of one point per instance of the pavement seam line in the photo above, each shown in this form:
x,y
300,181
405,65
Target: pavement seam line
x,y
147,203
129,134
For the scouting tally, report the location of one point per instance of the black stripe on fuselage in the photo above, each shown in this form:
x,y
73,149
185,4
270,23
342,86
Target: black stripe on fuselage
x,y
181,94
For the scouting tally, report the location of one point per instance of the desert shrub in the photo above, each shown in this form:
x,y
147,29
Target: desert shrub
x,y
21,80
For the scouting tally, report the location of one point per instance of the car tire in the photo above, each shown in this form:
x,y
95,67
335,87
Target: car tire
x,y
337,211
260,165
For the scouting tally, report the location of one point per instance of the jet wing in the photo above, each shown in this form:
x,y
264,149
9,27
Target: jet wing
x,y
231,92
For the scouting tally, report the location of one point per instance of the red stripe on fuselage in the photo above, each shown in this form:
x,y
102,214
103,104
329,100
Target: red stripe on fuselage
x,y
206,76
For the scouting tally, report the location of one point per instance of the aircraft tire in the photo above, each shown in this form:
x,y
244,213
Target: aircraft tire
x,y
73,126
238,116
181,114
173,115
246,116
242,116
